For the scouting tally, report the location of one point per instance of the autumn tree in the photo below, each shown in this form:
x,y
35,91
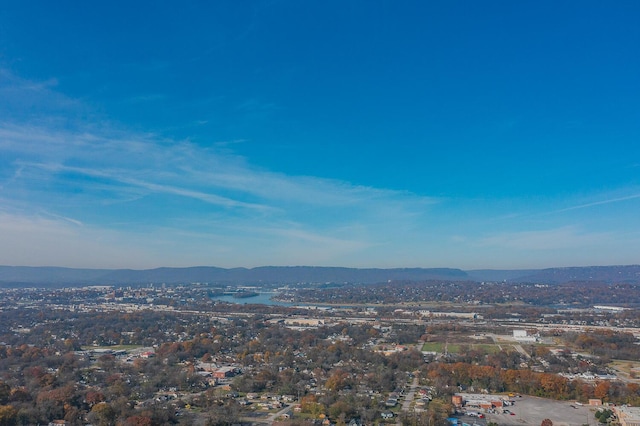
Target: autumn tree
x,y
309,404
8,415
602,390
343,408
103,414
338,380
138,421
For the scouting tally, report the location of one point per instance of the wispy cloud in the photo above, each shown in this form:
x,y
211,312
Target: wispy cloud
x,y
599,203
546,239
150,160
35,100
120,177
65,219
95,176
37,240
181,168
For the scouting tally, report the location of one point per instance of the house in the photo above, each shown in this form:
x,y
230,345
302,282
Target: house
x,y
386,415
287,415
391,402
422,402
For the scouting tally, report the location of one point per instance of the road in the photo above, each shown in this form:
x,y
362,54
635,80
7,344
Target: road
x,y
262,420
409,397
520,349
274,416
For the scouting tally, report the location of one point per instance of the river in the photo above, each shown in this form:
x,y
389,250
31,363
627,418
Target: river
x,y
260,299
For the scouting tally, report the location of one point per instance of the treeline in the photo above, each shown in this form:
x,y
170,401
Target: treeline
x,y
606,344
572,294
460,376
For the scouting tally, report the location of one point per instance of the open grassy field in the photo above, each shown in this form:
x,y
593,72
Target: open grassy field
x,y
433,347
629,369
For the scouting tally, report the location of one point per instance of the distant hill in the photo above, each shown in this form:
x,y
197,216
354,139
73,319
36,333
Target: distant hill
x,y
25,276
500,274
607,274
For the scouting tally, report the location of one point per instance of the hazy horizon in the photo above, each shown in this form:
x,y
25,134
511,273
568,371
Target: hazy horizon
x,y
327,267
493,135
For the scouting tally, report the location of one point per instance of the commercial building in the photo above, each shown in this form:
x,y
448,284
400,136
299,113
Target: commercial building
x,y
628,416
523,336
224,372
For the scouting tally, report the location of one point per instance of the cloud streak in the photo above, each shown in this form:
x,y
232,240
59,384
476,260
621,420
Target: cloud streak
x,y
99,179
599,203
75,190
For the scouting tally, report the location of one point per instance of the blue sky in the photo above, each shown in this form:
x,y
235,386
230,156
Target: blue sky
x,y
464,134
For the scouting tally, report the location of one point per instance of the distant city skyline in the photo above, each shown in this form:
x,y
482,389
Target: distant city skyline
x,y
468,135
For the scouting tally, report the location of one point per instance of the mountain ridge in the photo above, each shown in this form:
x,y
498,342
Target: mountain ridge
x,y
24,275
51,276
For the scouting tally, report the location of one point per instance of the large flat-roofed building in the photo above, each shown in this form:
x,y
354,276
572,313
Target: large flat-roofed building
x,y
481,401
437,314
523,336
628,416
306,322
610,308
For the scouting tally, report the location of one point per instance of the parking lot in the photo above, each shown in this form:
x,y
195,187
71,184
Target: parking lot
x,y
530,410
